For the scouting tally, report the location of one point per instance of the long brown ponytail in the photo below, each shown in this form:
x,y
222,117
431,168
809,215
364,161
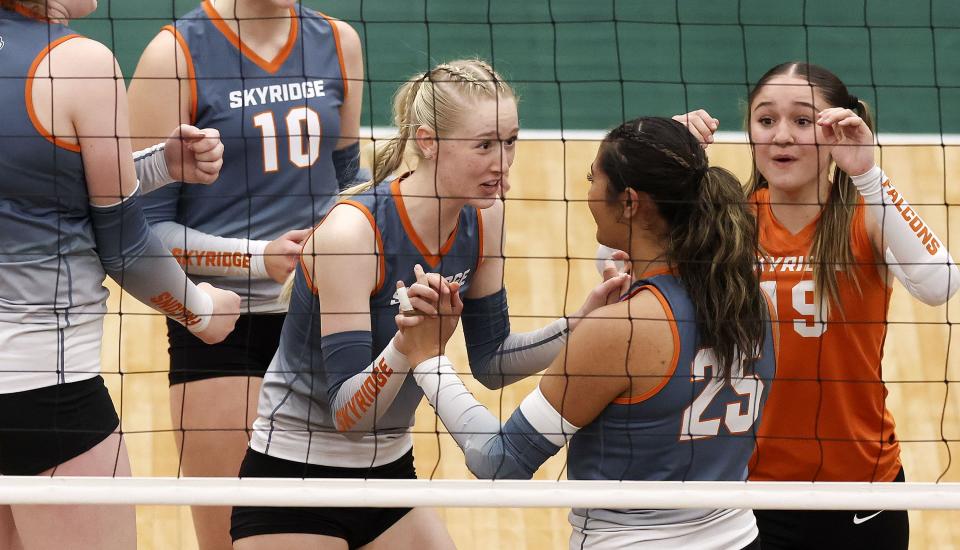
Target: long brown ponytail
x,y
712,238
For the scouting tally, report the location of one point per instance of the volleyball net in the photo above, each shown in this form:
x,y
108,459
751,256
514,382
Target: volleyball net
x,y
581,68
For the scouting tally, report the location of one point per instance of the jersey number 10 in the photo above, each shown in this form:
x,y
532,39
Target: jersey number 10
x,y
301,155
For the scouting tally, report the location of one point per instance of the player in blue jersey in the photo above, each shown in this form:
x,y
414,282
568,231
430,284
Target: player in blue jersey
x,y
668,383
283,85
70,215
336,400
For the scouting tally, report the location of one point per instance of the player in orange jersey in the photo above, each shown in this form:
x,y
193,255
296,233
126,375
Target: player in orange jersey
x,y
836,233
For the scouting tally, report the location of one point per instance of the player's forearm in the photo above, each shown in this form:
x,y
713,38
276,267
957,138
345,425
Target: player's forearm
x,y
151,166
360,393
532,434
200,253
913,252
497,356
134,257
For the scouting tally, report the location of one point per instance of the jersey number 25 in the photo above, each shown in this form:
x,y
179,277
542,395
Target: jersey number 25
x,y
695,426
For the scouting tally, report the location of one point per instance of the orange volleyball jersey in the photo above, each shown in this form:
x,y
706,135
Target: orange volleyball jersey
x,y
826,418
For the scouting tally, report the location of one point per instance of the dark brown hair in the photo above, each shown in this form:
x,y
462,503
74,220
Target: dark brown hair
x,y
712,236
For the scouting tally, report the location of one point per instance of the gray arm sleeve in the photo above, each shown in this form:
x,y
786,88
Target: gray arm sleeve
x,y
151,165
138,261
499,358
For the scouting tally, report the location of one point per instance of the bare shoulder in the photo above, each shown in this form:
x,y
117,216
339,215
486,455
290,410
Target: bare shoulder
x,y
83,57
346,229
156,61
636,333
349,38
350,48
601,339
344,242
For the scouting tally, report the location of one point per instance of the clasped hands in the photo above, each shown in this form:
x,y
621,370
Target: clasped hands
x,y
431,316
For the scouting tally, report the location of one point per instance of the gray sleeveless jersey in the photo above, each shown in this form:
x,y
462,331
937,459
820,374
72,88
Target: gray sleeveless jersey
x,y
693,427
52,298
294,416
279,121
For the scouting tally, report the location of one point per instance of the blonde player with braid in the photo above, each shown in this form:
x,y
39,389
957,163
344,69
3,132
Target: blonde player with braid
x,y
336,400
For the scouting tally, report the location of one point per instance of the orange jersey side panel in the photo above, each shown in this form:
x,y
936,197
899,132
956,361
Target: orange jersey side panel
x,y
825,419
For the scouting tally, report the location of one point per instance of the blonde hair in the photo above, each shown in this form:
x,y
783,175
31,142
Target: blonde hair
x,y
437,99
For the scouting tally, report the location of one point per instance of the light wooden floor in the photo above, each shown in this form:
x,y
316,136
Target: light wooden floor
x,y
544,230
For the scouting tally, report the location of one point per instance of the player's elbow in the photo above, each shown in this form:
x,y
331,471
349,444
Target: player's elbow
x,y
491,381
939,288
350,430
494,465
483,369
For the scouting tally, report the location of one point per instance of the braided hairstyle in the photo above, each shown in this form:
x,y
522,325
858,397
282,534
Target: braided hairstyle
x,y
36,7
711,241
436,99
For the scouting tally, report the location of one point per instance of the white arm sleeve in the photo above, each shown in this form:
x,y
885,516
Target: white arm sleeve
x,y
605,253
204,254
151,165
515,450
914,254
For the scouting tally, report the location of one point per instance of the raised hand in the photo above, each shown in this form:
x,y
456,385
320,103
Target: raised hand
x,y
280,256
700,124
194,155
607,292
850,138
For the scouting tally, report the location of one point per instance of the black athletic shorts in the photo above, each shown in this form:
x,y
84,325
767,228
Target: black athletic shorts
x,y
45,427
357,526
840,529
247,351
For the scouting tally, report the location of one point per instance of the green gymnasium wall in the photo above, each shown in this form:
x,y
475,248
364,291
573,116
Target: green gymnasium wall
x,y
576,68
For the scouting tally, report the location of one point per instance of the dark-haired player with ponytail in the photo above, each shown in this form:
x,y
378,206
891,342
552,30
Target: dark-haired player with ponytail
x,y
666,383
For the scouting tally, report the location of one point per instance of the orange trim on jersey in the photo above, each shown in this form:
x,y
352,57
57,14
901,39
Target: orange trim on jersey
x,y
336,40
307,276
191,72
656,273
269,66
26,12
634,399
382,267
480,238
28,96
774,324
432,259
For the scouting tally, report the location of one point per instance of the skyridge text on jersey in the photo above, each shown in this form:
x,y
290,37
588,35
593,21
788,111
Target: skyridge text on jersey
x,y
276,93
